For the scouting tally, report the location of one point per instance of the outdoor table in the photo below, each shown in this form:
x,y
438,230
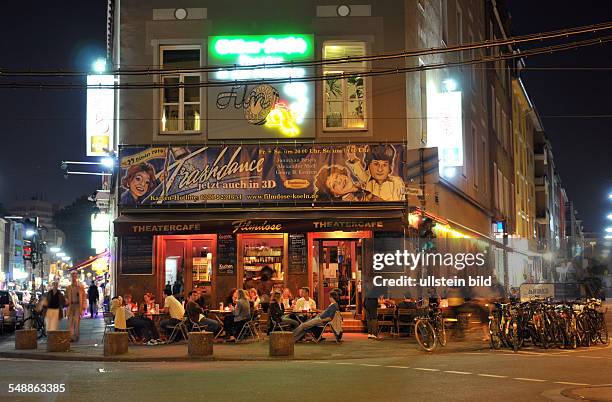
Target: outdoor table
x,y
302,316
219,315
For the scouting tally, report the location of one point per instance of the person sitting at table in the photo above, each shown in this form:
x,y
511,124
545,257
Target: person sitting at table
x,y
129,303
286,299
144,327
312,324
197,314
231,298
175,309
241,315
277,314
254,298
305,302
148,305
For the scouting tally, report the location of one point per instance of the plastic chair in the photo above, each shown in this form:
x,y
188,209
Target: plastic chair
x,y
180,328
335,325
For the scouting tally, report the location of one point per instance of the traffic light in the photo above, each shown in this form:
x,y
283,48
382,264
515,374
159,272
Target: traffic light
x,y
27,250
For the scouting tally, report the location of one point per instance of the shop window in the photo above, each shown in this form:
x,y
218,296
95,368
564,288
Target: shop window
x,y
263,260
344,99
180,96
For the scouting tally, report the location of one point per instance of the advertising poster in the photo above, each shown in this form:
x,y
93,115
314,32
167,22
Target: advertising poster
x,y
262,174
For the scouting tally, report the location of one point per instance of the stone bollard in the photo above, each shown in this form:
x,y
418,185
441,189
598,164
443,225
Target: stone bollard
x,y
58,341
200,344
115,343
25,338
281,343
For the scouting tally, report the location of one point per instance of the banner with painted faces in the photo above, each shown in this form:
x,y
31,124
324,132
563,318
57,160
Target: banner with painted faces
x,y
262,174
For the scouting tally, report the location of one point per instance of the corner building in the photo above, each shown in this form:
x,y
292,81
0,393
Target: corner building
x,y
226,168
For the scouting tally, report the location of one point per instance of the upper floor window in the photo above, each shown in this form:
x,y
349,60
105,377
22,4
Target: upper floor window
x,y
344,98
180,96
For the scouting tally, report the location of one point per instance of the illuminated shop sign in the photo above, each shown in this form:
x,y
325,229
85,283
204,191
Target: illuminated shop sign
x,y
100,114
263,109
445,128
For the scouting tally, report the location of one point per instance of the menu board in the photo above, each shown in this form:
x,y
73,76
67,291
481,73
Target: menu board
x,y
298,253
226,257
137,255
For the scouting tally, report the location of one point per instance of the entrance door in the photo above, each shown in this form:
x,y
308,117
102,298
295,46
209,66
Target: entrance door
x,y
337,265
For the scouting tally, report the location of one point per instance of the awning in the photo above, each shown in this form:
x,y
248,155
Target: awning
x,y
258,222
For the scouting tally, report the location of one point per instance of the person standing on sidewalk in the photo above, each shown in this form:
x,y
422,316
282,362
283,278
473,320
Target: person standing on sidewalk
x,y
54,302
92,296
76,300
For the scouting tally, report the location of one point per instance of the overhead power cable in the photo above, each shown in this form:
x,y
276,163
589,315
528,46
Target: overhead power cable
x,y
562,33
365,73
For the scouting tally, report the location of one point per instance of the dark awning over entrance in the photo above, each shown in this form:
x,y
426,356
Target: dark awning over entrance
x,y
258,222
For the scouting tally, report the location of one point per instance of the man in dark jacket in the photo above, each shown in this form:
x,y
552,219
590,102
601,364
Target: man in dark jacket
x,y
93,296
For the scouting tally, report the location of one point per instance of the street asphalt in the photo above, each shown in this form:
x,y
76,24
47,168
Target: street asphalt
x,y
357,369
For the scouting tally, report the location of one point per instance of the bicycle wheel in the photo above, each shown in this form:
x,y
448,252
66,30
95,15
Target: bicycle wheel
x,y
496,342
441,331
425,335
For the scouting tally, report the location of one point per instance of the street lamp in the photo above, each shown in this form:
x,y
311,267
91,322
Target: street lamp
x,y
609,216
99,66
608,230
108,162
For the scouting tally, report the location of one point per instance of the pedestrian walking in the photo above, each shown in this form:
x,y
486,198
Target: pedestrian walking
x,y
54,301
76,301
93,297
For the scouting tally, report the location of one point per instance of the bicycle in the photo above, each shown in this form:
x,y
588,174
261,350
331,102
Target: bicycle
x,y
37,321
429,329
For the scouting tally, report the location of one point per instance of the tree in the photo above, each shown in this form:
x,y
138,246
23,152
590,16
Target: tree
x,y
75,221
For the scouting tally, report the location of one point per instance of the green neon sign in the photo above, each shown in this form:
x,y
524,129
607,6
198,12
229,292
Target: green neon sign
x,y
263,48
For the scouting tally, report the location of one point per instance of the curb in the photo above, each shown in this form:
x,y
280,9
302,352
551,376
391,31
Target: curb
x,y
71,356
572,393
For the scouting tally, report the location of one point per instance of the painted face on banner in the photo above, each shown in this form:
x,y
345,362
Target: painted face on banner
x,y
339,184
139,185
379,170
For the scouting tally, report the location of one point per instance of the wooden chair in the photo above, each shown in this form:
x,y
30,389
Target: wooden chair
x,y
405,318
386,319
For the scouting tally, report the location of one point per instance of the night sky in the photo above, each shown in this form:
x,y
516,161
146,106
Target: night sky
x,y
39,128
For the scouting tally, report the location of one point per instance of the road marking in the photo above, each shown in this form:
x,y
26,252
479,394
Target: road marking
x,y
400,367
456,372
528,379
369,365
346,363
591,357
425,369
319,362
570,383
474,353
493,375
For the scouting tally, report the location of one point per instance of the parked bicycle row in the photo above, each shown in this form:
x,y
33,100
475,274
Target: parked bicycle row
x,y
548,324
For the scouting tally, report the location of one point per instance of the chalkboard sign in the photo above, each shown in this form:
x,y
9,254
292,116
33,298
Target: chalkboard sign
x,y
298,253
226,257
137,255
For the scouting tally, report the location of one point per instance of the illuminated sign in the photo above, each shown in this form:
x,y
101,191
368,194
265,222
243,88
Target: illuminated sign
x,y
100,114
264,109
100,222
445,128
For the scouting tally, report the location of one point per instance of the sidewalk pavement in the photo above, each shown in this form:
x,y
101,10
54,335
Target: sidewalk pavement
x,y
353,346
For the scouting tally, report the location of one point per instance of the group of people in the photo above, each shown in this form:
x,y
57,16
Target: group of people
x,y
75,300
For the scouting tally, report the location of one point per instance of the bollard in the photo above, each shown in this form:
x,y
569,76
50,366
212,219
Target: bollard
x,y
281,343
25,338
115,343
200,344
58,341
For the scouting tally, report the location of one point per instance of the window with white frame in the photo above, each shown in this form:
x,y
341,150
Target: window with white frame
x,y
180,103
344,92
